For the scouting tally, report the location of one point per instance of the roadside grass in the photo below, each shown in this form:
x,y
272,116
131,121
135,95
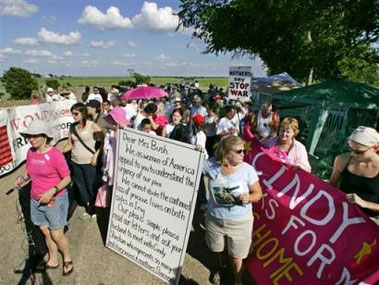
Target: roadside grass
x,y
109,81
77,85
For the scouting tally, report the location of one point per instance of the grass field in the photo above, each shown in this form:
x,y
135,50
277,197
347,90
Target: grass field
x,y
108,81
78,84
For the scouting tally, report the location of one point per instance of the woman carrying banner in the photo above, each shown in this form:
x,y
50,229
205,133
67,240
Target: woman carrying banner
x,y
357,172
82,138
234,185
49,198
286,148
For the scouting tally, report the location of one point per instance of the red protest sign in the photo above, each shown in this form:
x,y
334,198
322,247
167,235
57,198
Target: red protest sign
x,y
305,231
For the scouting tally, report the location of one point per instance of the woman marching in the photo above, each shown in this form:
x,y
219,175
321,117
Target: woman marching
x,y
82,138
357,172
234,185
49,173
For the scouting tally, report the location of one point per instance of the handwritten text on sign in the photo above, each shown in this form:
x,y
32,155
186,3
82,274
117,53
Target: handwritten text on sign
x,y
153,201
239,83
305,232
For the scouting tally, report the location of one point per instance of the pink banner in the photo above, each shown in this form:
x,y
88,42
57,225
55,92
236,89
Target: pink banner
x,y
306,232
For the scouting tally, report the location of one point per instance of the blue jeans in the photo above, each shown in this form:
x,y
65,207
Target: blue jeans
x,y
84,176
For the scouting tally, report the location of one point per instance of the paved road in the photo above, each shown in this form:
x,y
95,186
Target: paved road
x,y
94,263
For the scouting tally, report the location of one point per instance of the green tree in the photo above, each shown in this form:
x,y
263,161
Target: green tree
x,y
53,83
128,82
309,39
19,83
141,79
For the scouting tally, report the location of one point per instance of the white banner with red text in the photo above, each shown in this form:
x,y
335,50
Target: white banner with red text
x,y
14,120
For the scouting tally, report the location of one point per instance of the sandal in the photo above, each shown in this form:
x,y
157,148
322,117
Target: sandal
x,y
45,266
67,265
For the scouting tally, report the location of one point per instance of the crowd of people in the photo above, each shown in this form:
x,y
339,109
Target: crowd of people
x,y
208,121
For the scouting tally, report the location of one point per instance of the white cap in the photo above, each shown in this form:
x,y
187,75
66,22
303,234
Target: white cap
x,y
365,136
49,90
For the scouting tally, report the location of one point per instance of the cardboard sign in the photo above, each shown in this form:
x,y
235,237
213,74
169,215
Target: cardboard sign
x,y
306,232
154,196
239,83
17,119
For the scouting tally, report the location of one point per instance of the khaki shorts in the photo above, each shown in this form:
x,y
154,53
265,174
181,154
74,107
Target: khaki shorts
x,y
237,233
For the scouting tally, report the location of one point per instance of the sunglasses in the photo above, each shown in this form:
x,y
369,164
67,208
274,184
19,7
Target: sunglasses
x,y
238,151
355,151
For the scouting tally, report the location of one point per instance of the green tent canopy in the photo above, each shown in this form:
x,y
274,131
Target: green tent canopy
x,y
333,94
329,111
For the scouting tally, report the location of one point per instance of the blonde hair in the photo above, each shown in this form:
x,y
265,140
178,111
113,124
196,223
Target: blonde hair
x,y
290,123
224,147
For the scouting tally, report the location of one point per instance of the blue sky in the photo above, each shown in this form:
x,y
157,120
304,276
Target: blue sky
x,y
104,38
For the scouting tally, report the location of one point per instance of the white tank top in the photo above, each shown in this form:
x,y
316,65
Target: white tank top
x,y
263,124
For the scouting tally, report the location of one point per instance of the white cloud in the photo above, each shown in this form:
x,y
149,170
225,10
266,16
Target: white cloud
x,y
193,46
162,57
55,38
131,44
52,61
89,62
19,8
111,20
102,44
68,53
128,55
57,57
117,62
35,52
49,20
153,18
31,61
26,41
86,54
9,50
2,57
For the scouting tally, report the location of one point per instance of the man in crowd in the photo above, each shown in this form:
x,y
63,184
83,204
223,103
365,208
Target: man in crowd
x,y
115,93
95,95
147,112
66,94
106,107
50,96
228,125
94,114
197,108
85,94
265,122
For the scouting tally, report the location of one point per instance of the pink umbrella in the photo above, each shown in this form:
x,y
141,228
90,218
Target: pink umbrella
x,y
144,92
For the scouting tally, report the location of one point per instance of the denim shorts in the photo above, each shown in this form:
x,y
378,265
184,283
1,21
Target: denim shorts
x,y
54,217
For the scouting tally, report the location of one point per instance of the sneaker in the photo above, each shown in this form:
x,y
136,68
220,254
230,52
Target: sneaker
x,y
85,216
